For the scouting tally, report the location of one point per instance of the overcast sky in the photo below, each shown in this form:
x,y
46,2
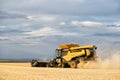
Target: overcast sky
x,y
35,28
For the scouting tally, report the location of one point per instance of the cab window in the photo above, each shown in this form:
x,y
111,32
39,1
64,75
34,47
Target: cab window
x,y
64,52
58,52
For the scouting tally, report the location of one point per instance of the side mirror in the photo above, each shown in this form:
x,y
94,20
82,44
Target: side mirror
x,y
95,47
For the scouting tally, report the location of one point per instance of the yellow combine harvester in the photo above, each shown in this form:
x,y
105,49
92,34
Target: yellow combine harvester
x,y
69,55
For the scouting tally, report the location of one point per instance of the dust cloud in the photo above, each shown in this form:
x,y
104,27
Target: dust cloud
x,y
111,62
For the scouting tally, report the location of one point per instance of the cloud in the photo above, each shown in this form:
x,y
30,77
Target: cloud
x,y
30,43
10,15
11,31
4,38
111,27
62,23
115,34
117,24
48,31
47,18
86,23
30,17
117,42
43,31
66,7
41,19
1,27
114,29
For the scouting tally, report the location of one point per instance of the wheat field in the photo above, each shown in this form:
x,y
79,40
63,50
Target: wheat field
x,y
23,71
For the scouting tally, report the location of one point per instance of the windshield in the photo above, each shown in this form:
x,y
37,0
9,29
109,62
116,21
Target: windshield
x,y
58,52
61,52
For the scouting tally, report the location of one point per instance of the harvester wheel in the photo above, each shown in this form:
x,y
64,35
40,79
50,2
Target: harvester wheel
x,y
73,64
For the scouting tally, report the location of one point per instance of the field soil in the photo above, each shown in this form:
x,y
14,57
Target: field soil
x,y
23,71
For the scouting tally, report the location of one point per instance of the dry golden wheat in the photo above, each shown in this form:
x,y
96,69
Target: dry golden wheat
x,y
23,71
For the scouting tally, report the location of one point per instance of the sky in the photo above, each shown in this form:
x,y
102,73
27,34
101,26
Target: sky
x,y
35,28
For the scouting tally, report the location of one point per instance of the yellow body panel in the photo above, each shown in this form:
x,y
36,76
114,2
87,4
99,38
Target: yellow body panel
x,y
83,47
71,55
87,52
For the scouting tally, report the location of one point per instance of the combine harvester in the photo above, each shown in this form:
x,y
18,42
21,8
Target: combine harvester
x,y
69,56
